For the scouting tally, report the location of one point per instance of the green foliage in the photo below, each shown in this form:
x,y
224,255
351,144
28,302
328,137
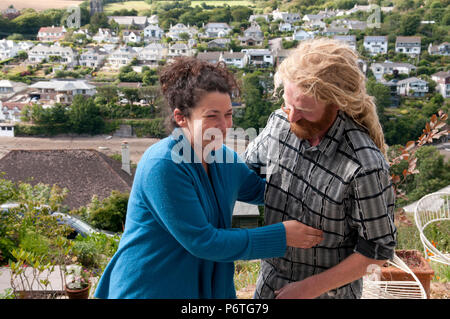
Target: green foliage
x,y
84,116
110,213
94,251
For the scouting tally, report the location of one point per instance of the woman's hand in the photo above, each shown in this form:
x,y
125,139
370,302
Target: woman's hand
x,y
301,236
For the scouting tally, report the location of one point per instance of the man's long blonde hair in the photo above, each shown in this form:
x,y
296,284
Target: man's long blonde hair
x,y
328,70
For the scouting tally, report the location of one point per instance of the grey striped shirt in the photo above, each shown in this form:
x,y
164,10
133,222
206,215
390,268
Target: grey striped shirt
x,y
341,186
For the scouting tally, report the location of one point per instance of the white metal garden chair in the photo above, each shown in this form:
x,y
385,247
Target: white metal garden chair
x,y
432,208
377,289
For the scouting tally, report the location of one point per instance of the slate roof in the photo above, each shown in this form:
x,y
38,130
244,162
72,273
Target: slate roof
x,y
84,172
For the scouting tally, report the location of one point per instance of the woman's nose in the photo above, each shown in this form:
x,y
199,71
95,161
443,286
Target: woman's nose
x,y
294,115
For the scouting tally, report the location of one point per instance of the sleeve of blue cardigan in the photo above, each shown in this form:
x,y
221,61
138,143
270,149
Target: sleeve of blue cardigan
x,y
171,197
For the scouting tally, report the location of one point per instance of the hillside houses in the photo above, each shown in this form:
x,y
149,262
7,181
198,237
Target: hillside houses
x,y
122,56
139,22
51,34
439,49
106,35
350,40
152,54
178,29
376,44
388,67
41,52
55,91
442,80
217,29
408,45
413,87
153,32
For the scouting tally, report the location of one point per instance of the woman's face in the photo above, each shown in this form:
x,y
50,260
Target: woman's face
x,y
209,121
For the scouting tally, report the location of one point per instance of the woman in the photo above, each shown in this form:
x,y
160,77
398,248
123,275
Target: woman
x,y
178,241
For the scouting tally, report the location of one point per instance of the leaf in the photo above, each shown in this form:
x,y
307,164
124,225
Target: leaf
x,y
405,172
410,145
395,179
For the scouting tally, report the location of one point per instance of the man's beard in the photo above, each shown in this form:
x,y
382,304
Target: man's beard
x,y
307,130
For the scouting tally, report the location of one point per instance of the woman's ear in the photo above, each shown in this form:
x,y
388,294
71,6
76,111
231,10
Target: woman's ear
x,y
179,118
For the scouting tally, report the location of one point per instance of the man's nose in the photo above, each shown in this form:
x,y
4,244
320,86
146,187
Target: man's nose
x,y
294,115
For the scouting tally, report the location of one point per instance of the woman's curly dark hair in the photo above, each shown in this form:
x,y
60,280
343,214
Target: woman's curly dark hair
x,y
185,81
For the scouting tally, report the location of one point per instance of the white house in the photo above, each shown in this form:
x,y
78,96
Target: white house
x,y
122,56
210,57
178,29
153,32
388,67
259,57
442,80
179,49
8,49
55,91
285,27
408,45
92,58
131,36
285,16
152,54
219,43
412,87
440,49
40,52
139,21
217,29
9,88
301,35
253,36
236,59
376,44
105,35
10,112
51,34
6,129
350,40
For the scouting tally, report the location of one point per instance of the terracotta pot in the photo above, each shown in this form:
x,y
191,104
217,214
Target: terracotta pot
x,y
418,265
78,293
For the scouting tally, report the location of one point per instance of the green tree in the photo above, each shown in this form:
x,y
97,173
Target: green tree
x,y
84,116
409,24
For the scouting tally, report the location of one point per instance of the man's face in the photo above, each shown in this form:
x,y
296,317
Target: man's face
x,y
309,117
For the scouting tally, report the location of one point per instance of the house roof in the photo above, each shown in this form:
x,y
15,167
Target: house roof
x,y
84,172
408,40
233,55
51,29
208,56
62,85
442,74
375,38
410,80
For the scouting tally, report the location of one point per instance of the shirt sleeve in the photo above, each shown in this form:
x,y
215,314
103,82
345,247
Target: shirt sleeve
x,y
170,194
373,214
255,156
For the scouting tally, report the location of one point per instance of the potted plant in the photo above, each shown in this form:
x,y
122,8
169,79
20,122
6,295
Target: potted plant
x,y
77,282
418,265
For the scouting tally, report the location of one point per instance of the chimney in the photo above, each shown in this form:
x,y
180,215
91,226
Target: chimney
x,y
126,158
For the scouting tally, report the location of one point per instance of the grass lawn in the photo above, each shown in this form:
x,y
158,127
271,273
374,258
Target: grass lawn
x,y
137,5
142,6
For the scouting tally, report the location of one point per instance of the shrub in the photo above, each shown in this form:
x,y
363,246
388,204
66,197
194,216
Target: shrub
x,y
110,213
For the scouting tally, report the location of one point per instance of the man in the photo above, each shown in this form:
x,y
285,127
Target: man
x,y
323,154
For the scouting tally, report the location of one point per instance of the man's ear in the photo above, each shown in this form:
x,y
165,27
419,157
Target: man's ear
x,y
179,118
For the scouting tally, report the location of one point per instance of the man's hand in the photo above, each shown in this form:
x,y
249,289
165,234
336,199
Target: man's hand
x,y
297,290
300,235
